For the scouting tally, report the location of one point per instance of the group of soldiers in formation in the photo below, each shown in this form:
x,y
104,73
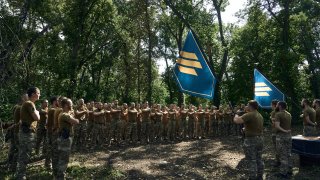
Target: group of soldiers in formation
x,y
61,127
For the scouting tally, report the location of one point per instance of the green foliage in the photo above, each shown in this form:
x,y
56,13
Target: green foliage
x,y
109,49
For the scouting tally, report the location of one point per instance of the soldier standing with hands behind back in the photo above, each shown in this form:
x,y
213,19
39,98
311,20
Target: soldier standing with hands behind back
x,y
283,139
309,118
253,142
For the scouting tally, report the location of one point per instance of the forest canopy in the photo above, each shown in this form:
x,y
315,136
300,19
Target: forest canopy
x,y
110,49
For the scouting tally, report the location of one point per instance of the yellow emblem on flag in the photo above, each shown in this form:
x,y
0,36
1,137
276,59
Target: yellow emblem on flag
x,y
189,62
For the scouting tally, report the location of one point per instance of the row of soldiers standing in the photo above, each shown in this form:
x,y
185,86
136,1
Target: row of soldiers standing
x,y
110,123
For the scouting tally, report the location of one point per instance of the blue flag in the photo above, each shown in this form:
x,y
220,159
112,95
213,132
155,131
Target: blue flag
x,y
265,91
192,72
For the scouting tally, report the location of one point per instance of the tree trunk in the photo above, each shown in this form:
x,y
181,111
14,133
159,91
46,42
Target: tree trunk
x,y
149,64
138,70
217,93
168,76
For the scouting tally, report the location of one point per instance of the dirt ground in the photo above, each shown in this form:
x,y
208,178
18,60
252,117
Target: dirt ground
x,y
214,158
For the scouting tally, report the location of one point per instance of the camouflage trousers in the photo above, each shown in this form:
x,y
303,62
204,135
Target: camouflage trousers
x,y
309,131
274,144
13,153
146,128
41,138
98,135
157,130
64,148
207,128
116,129
108,133
214,129
253,147
172,130
55,153
184,127
123,129
89,130
48,154
165,130
80,134
284,146
191,128
26,144
132,132
200,126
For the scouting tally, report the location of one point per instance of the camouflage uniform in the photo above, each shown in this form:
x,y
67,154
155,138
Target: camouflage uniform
x,y
64,144
253,143
164,125
55,137
157,125
200,123
14,141
115,124
42,132
183,123
146,127
108,127
308,129
273,136
132,133
98,134
284,142
284,146
26,137
172,124
191,124
207,125
80,129
253,147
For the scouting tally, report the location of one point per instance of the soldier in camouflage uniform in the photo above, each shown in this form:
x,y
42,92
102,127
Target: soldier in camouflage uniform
x,y
214,121
165,123
107,110
90,124
207,122
66,121
309,119
14,141
28,115
200,124
283,139
253,142
138,107
157,122
81,113
132,135
98,135
146,126
183,121
228,118
192,118
124,121
273,130
49,125
55,136
172,123
41,129
116,122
